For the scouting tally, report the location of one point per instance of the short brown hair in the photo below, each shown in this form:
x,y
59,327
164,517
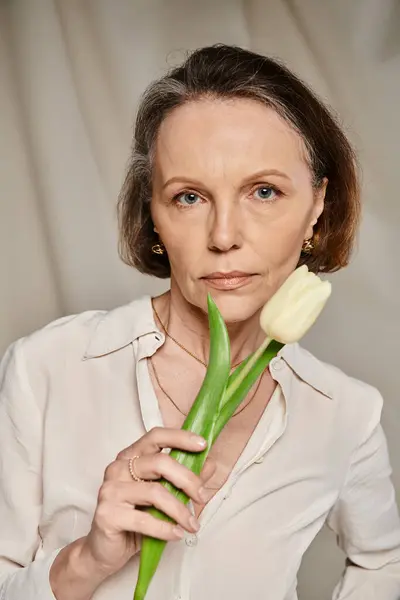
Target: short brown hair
x,y
222,71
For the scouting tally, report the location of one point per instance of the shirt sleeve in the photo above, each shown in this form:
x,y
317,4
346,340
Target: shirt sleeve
x,y
21,576
366,521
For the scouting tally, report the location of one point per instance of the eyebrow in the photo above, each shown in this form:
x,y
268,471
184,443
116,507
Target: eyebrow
x,y
258,174
267,173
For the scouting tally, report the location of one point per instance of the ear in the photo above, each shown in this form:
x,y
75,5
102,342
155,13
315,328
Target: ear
x,y
318,207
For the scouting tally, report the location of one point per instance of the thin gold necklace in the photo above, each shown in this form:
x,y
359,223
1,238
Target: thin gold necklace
x,y
181,345
186,414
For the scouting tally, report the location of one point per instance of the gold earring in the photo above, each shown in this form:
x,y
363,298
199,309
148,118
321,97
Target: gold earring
x,y
308,246
158,248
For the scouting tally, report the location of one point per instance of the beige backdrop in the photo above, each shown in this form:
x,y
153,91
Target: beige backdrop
x,y
71,72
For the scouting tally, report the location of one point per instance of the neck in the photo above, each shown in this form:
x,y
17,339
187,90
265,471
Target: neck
x,y
188,324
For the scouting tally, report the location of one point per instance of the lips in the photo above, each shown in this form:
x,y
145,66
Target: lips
x,y
228,275
228,281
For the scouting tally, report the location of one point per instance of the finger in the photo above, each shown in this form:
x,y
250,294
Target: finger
x,y
137,521
163,437
119,471
157,466
151,494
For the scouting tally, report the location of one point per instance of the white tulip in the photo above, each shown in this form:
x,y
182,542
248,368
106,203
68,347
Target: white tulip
x,y
296,305
289,314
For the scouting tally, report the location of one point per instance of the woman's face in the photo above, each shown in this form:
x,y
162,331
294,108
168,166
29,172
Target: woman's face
x,y
232,202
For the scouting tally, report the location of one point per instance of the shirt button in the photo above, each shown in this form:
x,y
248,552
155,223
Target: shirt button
x,y
277,364
259,460
191,540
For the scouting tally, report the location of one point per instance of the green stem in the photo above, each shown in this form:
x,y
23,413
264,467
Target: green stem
x,y
232,399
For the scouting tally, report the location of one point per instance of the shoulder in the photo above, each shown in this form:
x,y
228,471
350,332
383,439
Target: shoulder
x,y
351,390
74,335
51,362
357,402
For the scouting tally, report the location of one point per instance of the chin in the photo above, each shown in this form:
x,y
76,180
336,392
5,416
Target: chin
x,y
235,308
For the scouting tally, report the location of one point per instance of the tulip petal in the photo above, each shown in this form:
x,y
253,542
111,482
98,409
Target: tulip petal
x,y
291,311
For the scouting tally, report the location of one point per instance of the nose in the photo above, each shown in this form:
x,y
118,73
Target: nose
x,y
225,229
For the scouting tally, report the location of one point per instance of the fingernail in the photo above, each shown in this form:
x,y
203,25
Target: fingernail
x,y
178,531
194,524
203,495
200,441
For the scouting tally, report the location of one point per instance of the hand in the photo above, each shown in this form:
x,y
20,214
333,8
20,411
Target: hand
x,y
117,524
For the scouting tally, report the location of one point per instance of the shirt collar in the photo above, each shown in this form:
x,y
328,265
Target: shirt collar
x,y
119,327
308,368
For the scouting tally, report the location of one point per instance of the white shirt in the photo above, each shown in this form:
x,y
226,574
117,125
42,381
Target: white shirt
x,y
75,393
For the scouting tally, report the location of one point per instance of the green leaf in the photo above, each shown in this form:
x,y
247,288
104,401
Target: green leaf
x,y
201,420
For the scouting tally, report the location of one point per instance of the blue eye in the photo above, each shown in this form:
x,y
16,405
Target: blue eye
x,y
265,193
187,198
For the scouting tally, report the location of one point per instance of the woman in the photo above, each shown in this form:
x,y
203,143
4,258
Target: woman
x,y
238,174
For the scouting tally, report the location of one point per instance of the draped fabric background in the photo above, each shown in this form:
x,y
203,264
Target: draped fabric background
x,y
71,72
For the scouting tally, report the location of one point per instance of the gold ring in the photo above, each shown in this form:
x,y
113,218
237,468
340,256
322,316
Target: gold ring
x,y
132,471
